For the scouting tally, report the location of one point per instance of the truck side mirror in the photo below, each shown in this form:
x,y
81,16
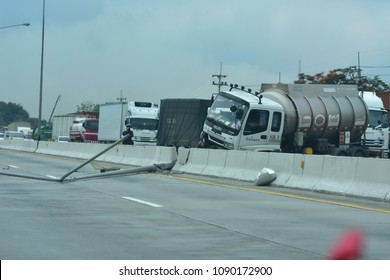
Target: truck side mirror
x,y
233,108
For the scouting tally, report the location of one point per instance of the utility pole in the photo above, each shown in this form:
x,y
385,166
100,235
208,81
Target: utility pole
x,y
41,76
122,100
220,77
360,86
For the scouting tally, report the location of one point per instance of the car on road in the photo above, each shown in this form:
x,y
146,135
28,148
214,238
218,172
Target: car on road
x,y
14,135
2,135
63,139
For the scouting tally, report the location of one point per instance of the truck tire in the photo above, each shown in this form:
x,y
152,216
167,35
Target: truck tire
x,y
357,152
342,153
204,141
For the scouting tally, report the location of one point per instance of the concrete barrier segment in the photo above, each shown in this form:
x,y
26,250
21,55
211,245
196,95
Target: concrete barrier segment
x,y
372,179
75,150
255,162
115,155
284,165
139,155
18,144
306,173
183,155
197,160
338,174
165,155
235,166
216,163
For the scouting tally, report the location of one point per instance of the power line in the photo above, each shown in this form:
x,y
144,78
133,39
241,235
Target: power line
x,y
375,66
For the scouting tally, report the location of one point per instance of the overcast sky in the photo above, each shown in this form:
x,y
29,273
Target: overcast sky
x,y
153,49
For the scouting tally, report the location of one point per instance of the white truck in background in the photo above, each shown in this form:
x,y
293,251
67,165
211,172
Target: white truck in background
x,y
292,118
111,121
27,132
377,131
142,120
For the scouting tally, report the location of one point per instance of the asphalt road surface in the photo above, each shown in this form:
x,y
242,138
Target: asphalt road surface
x,y
171,216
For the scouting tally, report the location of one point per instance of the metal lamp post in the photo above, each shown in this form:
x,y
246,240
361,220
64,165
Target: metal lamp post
x,y
41,76
20,24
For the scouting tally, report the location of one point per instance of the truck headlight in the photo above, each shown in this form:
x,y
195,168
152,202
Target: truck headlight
x,y
228,146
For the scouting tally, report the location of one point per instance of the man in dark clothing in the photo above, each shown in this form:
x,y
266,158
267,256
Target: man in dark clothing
x,y
129,140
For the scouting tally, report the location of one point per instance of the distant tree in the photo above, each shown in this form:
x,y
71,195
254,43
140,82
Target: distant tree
x,y
342,76
87,106
11,112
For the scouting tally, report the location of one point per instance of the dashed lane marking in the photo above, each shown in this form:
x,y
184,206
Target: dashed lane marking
x,y
142,201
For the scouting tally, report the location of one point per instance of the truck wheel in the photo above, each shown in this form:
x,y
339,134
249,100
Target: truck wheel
x,y
359,154
342,153
204,141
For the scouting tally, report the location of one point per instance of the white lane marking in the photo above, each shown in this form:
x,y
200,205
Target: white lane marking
x,y
13,166
141,201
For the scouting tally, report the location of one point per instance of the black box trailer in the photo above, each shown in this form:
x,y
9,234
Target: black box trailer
x,y
181,122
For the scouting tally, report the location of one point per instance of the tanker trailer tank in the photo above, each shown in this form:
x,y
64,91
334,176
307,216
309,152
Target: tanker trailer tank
x,y
326,118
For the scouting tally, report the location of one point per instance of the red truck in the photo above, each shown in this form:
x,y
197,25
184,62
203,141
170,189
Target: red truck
x,y
84,130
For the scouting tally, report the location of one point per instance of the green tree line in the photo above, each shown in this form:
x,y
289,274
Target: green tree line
x,y
11,112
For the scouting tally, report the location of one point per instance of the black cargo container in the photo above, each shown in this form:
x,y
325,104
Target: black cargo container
x,y
181,122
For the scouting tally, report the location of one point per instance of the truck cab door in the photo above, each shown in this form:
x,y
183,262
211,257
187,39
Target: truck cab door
x,y
262,131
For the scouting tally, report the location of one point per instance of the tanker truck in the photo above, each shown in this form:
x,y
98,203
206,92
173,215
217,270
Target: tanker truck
x,y
291,118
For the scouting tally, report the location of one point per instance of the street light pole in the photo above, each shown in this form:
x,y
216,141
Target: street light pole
x,y
41,78
21,24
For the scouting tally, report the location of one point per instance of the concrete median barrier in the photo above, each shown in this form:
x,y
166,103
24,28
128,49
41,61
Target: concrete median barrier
x,y
372,179
338,174
306,172
75,150
183,155
138,155
18,144
361,177
284,165
234,165
255,162
216,163
197,160
165,155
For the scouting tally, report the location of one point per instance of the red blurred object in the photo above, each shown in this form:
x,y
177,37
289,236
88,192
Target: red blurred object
x,y
349,246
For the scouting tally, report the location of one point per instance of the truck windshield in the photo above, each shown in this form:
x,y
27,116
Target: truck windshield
x,y
228,112
378,118
91,125
142,123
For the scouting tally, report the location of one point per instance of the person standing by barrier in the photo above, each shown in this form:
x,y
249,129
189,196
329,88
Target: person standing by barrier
x,y
129,140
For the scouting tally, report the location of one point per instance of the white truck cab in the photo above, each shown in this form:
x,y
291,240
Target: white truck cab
x,y
143,122
376,136
261,120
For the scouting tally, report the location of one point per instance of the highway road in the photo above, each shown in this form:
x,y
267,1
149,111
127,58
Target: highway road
x,y
171,216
